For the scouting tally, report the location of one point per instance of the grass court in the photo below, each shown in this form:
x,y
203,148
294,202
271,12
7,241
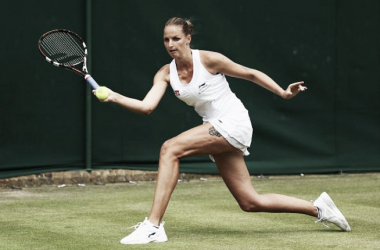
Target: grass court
x,y
201,215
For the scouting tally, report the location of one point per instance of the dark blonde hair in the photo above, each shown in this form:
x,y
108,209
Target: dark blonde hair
x,y
187,26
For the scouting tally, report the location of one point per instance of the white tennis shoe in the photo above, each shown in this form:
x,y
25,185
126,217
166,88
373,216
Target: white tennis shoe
x,y
327,211
145,232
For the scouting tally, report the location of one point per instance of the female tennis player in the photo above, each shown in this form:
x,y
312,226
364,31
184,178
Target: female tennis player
x,y
198,78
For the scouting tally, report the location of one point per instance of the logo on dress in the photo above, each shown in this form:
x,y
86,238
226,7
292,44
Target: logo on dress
x,y
176,92
203,87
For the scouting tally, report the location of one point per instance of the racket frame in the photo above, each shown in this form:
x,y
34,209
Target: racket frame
x,y
84,72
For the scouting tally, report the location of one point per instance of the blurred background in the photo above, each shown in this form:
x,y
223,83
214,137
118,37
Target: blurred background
x,y
51,122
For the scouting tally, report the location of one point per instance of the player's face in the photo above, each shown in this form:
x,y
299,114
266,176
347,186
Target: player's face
x,y
175,41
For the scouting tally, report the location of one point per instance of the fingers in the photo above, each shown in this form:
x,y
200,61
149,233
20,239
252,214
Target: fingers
x,y
302,88
297,83
293,89
299,86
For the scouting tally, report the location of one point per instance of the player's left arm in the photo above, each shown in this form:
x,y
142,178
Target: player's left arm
x,y
218,63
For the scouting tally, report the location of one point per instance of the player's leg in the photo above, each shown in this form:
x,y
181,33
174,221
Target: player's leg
x,y
196,141
234,172
232,168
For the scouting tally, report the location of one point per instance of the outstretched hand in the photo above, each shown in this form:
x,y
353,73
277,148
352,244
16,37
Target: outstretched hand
x,y
293,90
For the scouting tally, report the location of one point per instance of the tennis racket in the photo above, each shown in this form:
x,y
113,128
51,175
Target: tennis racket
x,y
64,48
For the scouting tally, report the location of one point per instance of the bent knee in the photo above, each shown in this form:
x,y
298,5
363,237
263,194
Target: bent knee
x,y
170,149
251,205
165,148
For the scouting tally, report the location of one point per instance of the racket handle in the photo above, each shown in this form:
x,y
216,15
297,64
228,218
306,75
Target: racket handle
x,y
91,81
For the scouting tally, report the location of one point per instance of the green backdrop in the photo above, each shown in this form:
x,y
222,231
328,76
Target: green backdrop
x,y
333,45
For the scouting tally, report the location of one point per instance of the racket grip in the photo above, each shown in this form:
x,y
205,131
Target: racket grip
x,y
91,81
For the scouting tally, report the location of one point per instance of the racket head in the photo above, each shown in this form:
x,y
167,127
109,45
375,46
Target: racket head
x,y
63,48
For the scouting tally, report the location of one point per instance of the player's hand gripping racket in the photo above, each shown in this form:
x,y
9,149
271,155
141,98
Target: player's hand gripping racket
x,y
64,48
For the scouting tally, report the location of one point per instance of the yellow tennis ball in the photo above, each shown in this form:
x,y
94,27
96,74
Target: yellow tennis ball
x,y
102,93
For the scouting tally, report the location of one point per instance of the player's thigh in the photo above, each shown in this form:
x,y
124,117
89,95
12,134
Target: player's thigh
x,y
232,168
197,141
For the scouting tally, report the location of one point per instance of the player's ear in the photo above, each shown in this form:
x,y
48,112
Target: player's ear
x,y
188,39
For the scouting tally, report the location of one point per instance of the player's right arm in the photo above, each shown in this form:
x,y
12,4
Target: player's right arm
x,y
151,100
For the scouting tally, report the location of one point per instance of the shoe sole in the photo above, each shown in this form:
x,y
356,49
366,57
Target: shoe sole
x,y
159,240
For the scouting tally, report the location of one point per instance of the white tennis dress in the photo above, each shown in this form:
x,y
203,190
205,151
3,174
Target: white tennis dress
x,y
213,100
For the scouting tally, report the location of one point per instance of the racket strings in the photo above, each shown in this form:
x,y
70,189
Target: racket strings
x,y
72,52
74,47
63,48
49,45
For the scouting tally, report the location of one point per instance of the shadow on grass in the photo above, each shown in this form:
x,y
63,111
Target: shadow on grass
x,y
203,231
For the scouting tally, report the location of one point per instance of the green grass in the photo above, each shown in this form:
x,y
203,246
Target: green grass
x,y
201,215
